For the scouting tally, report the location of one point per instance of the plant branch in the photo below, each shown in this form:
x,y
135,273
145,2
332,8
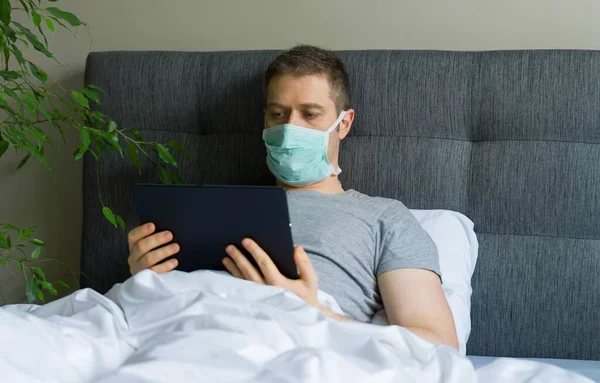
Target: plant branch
x,y
98,182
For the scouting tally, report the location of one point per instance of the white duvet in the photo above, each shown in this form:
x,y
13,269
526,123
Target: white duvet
x,y
210,327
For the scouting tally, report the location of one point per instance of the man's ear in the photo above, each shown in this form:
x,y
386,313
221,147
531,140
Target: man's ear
x,y
346,124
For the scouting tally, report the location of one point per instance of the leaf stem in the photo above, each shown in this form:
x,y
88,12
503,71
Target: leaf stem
x,y
98,182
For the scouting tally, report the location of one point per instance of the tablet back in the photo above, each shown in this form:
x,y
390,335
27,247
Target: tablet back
x,y
205,219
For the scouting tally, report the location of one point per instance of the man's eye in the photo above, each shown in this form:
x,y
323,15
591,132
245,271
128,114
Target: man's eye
x,y
276,114
310,115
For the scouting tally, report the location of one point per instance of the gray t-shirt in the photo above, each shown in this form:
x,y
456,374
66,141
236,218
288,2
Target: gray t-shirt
x,y
352,238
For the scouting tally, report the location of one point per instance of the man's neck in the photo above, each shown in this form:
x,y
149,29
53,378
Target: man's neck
x,y
330,185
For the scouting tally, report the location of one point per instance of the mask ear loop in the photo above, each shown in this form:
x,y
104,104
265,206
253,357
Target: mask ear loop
x,y
337,122
333,127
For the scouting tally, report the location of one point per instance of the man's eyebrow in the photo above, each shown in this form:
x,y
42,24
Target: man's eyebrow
x,y
312,106
275,104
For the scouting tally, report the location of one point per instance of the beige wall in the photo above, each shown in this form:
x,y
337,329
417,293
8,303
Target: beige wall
x,y
30,196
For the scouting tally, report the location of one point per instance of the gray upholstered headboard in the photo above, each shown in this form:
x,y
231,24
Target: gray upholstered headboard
x,y
511,139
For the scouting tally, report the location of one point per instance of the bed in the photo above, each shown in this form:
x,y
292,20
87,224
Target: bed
x,y
510,139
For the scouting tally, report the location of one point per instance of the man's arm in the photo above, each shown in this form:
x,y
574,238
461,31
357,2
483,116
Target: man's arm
x,y
414,299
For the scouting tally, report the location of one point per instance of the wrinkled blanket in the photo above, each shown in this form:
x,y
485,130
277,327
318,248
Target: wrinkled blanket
x,y
209,327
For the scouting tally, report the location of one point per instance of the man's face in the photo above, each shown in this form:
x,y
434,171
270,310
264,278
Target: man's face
x,y
305,101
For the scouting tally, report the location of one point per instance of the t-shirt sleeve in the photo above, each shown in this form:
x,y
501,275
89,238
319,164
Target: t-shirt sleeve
x,y
404,242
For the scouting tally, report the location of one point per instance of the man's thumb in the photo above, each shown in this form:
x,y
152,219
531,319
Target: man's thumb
x,y
305,267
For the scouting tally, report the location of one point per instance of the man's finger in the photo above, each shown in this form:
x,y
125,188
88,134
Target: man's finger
x,y
165,266
156,256
135,235
268,269
305,267
150,243
232,268
249,272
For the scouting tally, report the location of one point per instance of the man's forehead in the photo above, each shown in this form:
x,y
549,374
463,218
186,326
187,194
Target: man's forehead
x,y
307,91
306,105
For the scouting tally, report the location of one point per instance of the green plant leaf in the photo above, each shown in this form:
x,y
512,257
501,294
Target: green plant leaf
x,y
24,4
5,10
136,135
38,72
81,99
4,244
165,176
176,178
91,94
44,112
63,284
111,138
2,262
30,101
10,227
79,153
165,155
133,153
112,126
109,215
39,272
38,134
84,136
31,290
24,161
39,27
30,106
50,25
120,222
10,33
48,286
37,19
18,55
10,75
6,52
36,252
40,295
36,242
37,44
25,234
177,146
3,147
66,16
59,22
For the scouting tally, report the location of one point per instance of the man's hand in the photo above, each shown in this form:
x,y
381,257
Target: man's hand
x,y
145,251
306,287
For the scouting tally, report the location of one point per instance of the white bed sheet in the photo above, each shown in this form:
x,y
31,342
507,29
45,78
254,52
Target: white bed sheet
x,y
210,327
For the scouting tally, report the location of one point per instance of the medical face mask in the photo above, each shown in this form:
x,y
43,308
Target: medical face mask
x,y
297,156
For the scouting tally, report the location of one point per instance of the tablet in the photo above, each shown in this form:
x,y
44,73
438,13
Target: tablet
x,y
204,220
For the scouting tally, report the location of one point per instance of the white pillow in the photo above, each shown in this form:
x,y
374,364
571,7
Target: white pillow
x,y
458,248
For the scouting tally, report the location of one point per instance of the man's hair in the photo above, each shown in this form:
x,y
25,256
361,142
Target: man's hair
x,y
307,60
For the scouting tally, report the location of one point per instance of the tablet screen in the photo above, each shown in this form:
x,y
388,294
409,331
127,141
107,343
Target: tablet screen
x,y
204,220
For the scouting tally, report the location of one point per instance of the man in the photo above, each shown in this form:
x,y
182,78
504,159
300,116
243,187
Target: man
x,y
367,252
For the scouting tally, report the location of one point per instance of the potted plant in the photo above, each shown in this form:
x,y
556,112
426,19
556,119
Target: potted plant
x,y
30,107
